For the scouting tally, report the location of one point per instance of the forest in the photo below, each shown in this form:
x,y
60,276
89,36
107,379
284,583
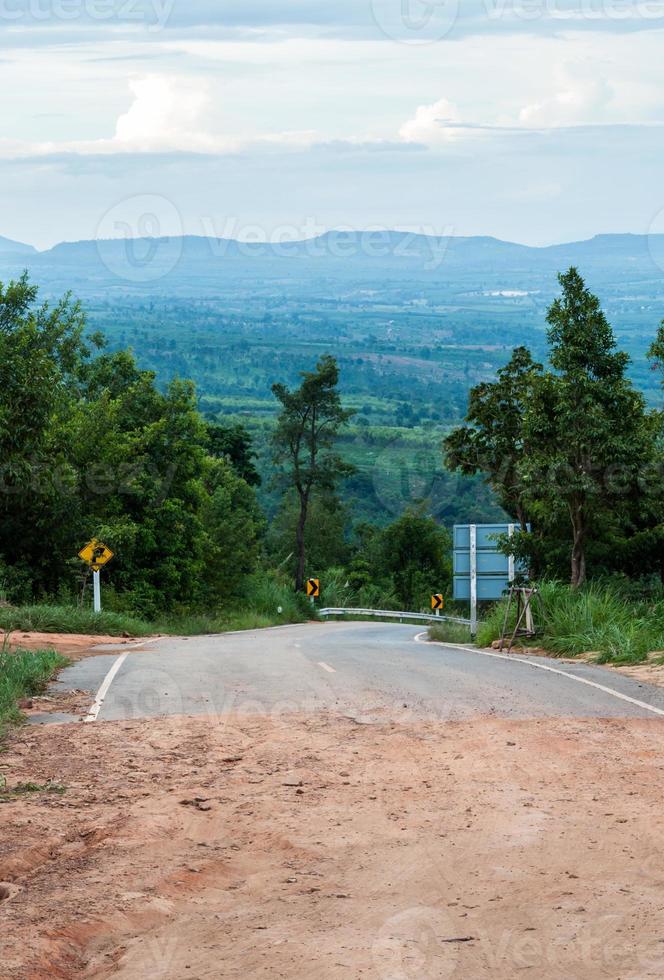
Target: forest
x,y
208,512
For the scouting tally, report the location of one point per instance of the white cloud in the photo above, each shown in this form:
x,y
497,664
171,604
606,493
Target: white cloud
x,y
165,112
578,100
166,115
428,125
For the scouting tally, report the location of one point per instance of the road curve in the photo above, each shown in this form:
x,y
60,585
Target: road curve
x,y
367,671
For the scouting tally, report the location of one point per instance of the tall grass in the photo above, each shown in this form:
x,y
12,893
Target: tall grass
x,y
22,674
445,632
269,600
70,619
597,619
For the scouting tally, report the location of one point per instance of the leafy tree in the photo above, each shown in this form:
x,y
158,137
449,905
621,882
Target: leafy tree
x,y
324,535
656,352
568,446
586,426
494,442
91,447
415,553
306,430
234,443
41,348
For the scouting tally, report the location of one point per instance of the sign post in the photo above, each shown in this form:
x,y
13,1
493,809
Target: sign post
x,y
313,589
437,603
473,579
96,555
96,585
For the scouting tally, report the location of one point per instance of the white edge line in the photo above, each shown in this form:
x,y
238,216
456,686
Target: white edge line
x,y
551,670
105,687
326,667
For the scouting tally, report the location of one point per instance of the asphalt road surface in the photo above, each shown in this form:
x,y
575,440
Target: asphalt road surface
x,y
370,672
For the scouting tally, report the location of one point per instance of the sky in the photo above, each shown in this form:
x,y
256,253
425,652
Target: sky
x,y
536,121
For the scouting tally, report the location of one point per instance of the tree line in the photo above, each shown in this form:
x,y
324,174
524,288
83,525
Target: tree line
x,y
91,446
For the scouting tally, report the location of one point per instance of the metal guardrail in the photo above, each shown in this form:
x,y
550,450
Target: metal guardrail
x,y
391,614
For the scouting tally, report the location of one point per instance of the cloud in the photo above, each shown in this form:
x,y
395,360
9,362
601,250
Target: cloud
x,y
578,100
429,124
165,113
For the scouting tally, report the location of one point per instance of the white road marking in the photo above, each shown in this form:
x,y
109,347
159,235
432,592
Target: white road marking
x,y
105,687
552,670
326,667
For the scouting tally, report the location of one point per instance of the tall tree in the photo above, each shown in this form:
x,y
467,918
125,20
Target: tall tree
x,y
493,442
566,445
656,352
586,425
309,422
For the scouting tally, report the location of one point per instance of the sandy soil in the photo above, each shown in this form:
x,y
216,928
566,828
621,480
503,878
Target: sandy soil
x,y
76,646
645,673
321,848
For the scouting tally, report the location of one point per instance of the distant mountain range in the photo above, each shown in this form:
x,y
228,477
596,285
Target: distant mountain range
x,y
8,247
176,265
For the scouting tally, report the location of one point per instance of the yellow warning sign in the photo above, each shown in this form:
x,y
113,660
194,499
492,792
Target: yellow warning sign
x,y
96,554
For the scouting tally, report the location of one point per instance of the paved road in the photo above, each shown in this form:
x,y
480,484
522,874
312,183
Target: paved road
x,y
365,670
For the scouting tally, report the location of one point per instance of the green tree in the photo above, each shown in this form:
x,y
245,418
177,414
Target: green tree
x,y
41,349
324,536
308,424
91,447
234,443
415,553
494,442
568,446
656,351
587,428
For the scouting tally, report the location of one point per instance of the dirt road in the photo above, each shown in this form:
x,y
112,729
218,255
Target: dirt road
x,y
314,846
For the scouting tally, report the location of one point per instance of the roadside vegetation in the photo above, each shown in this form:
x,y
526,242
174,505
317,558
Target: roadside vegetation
x,y
602,619
444,632
23,674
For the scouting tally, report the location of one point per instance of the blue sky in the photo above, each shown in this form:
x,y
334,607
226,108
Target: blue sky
x,y
532,120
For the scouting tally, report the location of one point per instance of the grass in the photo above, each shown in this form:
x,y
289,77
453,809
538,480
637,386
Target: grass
x,y
70,619
270,601
597,619
23,674
449,633
8,793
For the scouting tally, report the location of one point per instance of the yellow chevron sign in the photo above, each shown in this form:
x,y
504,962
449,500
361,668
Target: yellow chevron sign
x,y
437,602
313,588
